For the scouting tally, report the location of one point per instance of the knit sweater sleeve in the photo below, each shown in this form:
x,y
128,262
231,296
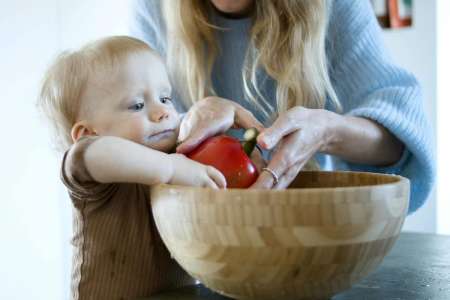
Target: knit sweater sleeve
x,y
368,84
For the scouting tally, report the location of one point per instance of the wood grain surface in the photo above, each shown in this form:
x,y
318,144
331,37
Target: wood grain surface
x,y
311,241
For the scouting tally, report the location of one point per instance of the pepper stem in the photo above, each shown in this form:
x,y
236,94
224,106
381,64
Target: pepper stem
x,y
249,142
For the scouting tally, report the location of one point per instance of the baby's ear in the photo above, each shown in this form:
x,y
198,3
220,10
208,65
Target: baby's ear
x,y
81,129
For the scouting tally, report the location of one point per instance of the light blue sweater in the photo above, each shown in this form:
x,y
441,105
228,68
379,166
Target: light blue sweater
x,y
367,82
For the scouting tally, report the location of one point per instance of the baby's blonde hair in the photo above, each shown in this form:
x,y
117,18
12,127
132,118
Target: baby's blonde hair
x,y
287,40
64,81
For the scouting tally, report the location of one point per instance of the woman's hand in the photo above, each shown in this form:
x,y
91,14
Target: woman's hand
x,y
301,132
258,160
189,172
211,116
298,134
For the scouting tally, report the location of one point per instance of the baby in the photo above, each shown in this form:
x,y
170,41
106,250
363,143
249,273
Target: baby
x,y
110,105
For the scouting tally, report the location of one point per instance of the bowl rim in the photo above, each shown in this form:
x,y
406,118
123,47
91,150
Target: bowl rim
x,y
400,181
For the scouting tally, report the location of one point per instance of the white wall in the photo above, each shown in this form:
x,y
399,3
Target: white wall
x,y
31,257
85,20
35,220
415,49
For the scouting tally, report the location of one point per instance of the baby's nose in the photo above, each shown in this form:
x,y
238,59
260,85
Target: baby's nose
x,y
158,115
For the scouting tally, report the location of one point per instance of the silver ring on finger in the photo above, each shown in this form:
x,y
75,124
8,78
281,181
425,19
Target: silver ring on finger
x,y
274,176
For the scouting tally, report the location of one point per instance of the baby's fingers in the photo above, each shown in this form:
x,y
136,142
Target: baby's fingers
x,y
217,176
210,183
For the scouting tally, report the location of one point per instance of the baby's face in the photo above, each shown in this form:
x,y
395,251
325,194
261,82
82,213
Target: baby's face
x,y
134,102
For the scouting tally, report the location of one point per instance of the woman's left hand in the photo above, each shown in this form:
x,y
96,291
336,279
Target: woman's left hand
x,y
299,133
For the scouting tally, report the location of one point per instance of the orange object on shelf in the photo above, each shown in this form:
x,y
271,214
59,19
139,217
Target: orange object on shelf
x,y
396,18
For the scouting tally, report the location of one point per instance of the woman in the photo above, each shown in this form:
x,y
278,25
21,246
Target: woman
x,y
315,73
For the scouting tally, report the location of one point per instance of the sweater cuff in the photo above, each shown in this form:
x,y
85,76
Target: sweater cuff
x,y
382,119
395,168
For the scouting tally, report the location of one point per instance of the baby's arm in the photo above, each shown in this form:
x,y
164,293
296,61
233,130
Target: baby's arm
x,y
112,159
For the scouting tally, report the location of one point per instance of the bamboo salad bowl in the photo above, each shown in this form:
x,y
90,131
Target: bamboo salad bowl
x,y
313,240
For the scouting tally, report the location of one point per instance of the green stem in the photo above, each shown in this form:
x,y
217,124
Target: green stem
x,y
249,142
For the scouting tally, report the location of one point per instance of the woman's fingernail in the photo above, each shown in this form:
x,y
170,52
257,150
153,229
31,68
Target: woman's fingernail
x,y
267,141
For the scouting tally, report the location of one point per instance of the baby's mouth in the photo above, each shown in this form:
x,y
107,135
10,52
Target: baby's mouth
x,y
161,135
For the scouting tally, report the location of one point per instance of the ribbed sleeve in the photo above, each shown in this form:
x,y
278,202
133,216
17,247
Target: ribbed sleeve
x,y
370,85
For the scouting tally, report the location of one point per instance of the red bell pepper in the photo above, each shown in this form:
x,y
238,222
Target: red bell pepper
x,y
231,157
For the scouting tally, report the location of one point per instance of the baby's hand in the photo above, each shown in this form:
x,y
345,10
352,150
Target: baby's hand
x,y
189,172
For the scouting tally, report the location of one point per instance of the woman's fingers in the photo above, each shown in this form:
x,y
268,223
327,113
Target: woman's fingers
x,y
285,172
258,160
206,118
197,136
210,118
284,125
264,181
289,176
307,164
287,160
285,155
278,164
196,129
245,119
299,134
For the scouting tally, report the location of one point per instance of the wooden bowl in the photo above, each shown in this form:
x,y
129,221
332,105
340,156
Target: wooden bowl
x,y
311,241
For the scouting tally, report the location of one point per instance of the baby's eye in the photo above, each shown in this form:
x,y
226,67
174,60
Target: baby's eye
x,y
165,100
136,107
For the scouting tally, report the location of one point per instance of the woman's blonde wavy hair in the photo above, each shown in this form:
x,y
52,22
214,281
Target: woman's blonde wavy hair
x,y
287,39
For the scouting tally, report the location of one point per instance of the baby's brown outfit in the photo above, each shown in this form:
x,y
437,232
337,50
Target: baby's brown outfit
x,y
117,251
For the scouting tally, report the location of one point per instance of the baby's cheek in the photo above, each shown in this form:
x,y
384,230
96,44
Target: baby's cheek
x,y
133,131
138,133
